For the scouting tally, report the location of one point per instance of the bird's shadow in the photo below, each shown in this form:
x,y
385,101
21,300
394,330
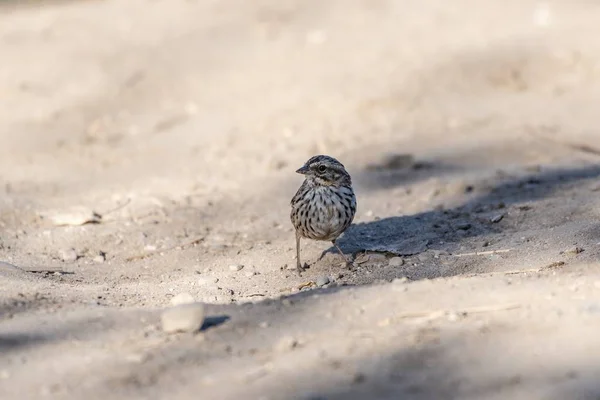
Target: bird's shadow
x,y
216,320
448,229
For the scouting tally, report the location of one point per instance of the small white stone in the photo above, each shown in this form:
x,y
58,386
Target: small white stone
x,y
100,258
75,217
183,318
236,267
452,317
68,255
496,218
206,280
396,262
400,281
182,298
322,281
574,250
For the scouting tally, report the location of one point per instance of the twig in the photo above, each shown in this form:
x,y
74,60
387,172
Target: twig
x,y
483,253
152,253
553,265
522,271
139,256
306,284
190,243
465,311
490,308
509,272
117,208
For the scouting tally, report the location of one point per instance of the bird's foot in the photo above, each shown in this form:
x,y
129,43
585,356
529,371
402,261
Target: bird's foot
x,y
300,269
349,265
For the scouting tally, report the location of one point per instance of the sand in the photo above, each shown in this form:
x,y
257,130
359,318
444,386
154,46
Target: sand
x,y
147,157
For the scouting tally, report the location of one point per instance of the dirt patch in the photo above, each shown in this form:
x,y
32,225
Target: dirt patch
x,y
153,158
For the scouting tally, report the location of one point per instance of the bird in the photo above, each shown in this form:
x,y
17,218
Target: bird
x,y
324,205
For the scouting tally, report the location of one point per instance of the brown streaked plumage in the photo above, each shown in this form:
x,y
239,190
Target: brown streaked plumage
x,y
324,206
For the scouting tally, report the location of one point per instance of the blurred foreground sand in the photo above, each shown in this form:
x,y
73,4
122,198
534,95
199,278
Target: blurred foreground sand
x,y
180,125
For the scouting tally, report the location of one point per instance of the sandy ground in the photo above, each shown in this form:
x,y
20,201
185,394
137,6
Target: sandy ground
x,y
469,127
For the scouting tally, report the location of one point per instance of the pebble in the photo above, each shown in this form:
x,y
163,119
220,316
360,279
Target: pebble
x,y
183,318
396,262
68,255
207,280
100,258
574,250
453,317
322,281
250,274
423,257
497,218
286,343
182,298
75,217
236,267
465,226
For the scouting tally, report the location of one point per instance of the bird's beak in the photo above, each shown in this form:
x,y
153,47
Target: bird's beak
x,y
302,170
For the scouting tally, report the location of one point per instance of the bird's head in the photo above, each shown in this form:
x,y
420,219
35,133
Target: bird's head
x,y
325,171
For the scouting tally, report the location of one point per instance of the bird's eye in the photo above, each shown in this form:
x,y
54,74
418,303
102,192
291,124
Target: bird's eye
x,y
322,168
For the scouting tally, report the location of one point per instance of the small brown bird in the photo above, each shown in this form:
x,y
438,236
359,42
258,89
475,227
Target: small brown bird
x,y
324,206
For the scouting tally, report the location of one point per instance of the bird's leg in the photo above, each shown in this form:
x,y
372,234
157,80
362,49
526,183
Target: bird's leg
x,y
298,263
346,258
